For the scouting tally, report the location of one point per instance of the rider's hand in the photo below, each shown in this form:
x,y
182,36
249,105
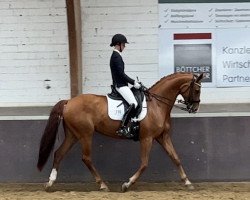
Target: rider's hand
x,y
137,85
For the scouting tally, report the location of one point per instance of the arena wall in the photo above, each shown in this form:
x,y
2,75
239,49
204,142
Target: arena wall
x,y
210,148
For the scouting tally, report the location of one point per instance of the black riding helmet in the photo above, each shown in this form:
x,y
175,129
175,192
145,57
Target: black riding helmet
x,y
118,39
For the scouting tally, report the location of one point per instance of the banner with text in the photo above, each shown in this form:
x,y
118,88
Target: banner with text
x,y
209,38
233,57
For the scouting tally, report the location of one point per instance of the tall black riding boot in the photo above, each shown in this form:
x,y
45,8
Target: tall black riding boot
x,y
124,129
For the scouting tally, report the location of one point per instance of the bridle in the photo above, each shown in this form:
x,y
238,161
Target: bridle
x,y
189,102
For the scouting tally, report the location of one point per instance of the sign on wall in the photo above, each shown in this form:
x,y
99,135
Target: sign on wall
x,y
233,60
209,38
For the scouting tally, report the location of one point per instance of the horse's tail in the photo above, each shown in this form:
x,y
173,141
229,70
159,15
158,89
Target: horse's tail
x,y
49,136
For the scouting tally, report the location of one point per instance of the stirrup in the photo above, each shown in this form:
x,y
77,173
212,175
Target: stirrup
x,y
124,131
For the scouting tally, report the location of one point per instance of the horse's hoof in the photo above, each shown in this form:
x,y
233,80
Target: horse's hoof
x,y
47,187
190,187
124,187
106,189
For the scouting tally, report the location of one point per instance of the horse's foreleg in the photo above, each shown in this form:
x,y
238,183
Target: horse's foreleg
x,y
146,144
86,143
68,142
167,144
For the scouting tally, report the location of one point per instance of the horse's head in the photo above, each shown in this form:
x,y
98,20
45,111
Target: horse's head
x,y
191,93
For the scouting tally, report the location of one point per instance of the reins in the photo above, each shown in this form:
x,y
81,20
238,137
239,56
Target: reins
x,y
163,100
150,95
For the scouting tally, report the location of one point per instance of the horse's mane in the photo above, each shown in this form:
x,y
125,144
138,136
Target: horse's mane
x,y
169,77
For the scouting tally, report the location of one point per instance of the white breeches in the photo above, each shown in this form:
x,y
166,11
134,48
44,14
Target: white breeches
x,y
127,94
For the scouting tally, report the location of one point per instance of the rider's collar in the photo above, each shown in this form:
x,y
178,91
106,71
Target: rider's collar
x,y
118,52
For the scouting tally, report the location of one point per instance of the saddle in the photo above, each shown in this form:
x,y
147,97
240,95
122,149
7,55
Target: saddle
x,y
139,96
117,107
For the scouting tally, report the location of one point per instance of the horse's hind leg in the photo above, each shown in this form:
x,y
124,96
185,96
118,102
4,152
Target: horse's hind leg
x,y
59,154
86,143
167,144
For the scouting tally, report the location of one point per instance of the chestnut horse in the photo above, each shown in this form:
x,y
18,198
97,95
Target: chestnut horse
x,y
87,113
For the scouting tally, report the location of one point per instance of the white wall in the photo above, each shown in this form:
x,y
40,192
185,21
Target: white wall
x,y
138,21
33,48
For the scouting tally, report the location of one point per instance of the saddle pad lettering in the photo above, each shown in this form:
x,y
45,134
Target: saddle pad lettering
x,y
116,109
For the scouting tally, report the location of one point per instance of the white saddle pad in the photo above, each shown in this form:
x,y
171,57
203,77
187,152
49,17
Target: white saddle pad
x,y
116,109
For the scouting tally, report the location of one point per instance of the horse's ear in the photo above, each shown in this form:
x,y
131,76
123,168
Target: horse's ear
x,y
199,77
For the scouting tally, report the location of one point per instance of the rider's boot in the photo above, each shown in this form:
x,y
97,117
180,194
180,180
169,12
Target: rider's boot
x,y
124,129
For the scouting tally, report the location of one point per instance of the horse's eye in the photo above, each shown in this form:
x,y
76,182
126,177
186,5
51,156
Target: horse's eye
x,y
197,91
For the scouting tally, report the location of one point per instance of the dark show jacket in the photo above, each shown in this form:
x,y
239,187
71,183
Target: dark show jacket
x,y
117,70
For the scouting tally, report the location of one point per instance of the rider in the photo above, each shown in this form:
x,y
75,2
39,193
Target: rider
x,y
121,80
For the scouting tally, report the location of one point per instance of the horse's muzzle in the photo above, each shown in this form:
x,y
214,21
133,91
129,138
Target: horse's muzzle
x,y
192,108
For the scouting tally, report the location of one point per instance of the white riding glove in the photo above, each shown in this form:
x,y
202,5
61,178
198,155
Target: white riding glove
x,y
137,85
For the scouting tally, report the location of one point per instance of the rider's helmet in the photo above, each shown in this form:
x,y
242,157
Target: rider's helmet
x,y
118,39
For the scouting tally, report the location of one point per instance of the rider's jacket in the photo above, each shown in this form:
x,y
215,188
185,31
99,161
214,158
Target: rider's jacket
x,y
117,70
